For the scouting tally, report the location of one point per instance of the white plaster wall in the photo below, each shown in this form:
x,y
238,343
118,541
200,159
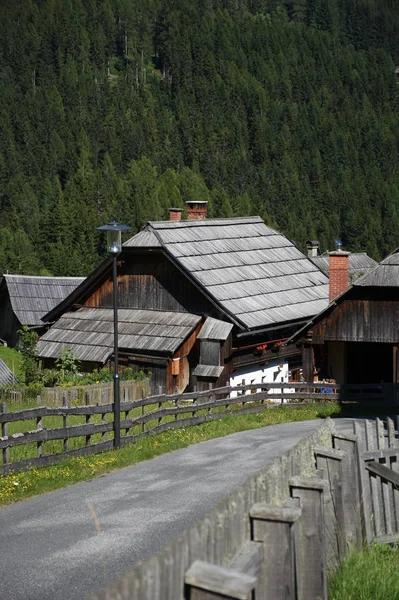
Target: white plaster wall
x,y
276,371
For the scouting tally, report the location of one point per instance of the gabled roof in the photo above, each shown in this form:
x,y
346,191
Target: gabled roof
x,y
213,329
6,375
252,272
32,297
359,263
89,332
385,274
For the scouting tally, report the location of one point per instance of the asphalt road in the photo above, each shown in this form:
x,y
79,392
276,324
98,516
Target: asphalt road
x,y
74,542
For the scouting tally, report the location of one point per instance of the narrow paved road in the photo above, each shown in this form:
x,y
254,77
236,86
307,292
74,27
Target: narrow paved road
x,y
73,542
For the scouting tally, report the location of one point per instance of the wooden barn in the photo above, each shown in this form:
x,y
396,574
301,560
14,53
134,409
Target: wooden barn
x,y
356,338
203,302
25,299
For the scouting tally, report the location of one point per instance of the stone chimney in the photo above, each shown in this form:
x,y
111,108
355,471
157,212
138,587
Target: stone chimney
x,y
175,214
339,273
196,210
313,247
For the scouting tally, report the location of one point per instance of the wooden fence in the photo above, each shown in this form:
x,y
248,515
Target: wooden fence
x,y
277,536
47,442
99,393
379,448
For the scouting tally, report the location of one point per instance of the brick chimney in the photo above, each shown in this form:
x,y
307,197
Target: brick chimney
x,y
175,214
313,247
196,210
339,273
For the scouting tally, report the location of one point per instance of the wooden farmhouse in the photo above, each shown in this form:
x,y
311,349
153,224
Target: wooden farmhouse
x,y
203,302
25,299
356,338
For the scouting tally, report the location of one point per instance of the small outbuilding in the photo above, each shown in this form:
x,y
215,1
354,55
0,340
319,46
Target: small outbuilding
x,y
355,339
24,299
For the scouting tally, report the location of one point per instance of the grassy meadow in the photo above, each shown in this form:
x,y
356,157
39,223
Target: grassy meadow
x,y
370,574
36,481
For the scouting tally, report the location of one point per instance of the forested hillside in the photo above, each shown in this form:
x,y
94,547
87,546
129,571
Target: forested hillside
x,y
123,108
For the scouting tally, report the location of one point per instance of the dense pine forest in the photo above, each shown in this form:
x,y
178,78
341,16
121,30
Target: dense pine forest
x,y
122,108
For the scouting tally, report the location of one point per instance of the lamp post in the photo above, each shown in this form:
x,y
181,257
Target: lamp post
x,y
114,247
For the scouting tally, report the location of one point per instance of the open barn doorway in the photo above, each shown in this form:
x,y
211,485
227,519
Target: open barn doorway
x,y
369,362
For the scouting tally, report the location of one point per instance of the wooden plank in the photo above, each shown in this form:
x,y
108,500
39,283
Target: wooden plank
x,y
65,422
384,472
44,435
274,527
365,493
370,436
386,453
329,460
39,427
351,489
392,442
249,559
221,582
394,465
88,418
387,539
4,433
51,459
380,433
310,551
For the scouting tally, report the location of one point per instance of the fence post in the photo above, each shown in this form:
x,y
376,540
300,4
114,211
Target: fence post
x,y
88,417
350,488
39,425
310,552
126,399
143,410
329,461
274,527
4,433
65,420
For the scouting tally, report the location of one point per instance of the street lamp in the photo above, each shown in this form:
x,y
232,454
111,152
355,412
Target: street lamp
x,y
114,247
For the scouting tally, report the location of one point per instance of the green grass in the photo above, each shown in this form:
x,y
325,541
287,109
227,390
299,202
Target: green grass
x,y
37,481
13,360
371,574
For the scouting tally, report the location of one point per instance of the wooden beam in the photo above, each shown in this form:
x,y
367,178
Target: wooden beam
x,y
221,582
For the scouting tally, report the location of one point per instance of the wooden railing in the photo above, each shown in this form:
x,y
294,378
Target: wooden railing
x,y
379,448
50,434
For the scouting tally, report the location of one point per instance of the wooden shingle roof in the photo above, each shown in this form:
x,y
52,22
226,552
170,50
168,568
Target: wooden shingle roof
x,y
89,332
385,274
32,297
6,375
254,273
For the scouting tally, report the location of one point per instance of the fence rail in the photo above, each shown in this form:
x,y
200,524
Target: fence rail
x,y
39,429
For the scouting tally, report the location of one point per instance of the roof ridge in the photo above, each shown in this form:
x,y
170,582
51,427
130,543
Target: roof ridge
x,y
44,276
206,222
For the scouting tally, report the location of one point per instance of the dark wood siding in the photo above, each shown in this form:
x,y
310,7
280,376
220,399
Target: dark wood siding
x,y
210,352
151,281
155,367
182,380
9,324
360,320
